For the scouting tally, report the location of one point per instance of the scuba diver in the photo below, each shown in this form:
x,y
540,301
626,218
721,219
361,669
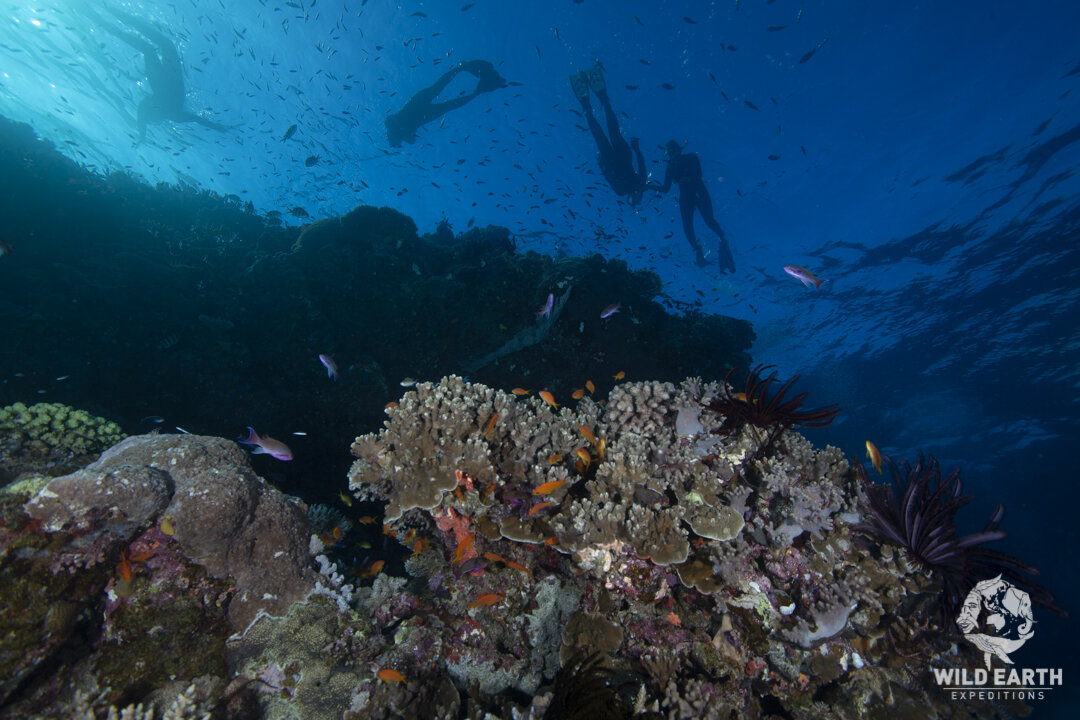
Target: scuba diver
x,y
422,108
685,169
164,73
616,161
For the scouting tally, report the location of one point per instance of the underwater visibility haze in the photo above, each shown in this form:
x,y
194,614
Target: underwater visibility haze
x,y
540,359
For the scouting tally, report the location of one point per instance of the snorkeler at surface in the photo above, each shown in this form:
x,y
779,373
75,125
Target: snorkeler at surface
x,y
164,73
616,161
422,108
685,169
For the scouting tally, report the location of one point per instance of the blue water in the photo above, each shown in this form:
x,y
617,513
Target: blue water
x,y
925,166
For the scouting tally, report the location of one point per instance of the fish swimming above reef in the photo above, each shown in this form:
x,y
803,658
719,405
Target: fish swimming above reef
x,y
288,133
545,309
610,310
330,365
5,248
267,445
808,278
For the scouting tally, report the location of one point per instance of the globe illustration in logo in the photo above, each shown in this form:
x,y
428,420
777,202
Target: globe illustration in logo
x,y
996,618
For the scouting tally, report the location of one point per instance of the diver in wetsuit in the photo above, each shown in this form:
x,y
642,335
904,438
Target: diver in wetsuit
x,y
685,169
422,108
164,73
616,161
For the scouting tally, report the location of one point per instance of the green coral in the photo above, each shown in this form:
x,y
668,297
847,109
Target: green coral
x,y
59,427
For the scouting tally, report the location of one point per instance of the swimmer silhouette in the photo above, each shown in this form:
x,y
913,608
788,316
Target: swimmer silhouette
x,y
164,73
422,108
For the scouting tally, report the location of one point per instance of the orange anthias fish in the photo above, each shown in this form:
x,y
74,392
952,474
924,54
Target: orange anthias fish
x,y
578,394
538,507
601,448
491,425
555,459
548,398
494,557
588,434
418,546
486,599
549,487
463,547
619,375
518,566
390,675
590,387
874,455
584,455
521,391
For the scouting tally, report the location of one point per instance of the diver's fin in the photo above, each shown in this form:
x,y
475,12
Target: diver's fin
x,y
596,79
724,258
580,83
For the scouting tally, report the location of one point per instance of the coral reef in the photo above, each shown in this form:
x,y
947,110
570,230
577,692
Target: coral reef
x,y
50,435
713,565
922,520
634,556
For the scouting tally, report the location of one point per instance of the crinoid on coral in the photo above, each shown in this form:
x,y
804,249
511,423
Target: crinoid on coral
x,y
753,406
917,512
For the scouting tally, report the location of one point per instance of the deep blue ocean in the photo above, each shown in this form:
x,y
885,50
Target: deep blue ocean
x,y
921,158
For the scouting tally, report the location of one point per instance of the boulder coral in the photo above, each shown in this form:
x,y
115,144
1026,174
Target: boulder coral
x,y
224,516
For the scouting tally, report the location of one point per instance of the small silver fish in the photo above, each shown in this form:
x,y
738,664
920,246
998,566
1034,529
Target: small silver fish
x,y
407,382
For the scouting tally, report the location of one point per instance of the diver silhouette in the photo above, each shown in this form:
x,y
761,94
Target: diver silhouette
x,y
164,73
615,159
685,169
422,108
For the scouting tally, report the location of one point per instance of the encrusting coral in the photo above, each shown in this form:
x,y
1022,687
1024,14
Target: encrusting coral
x,y
702,541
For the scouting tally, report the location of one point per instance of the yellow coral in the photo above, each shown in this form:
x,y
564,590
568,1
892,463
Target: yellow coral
x,y
60,427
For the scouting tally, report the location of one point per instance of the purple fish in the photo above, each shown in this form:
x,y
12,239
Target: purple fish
x,y
808,278
330,365
545,309
610,310
267,445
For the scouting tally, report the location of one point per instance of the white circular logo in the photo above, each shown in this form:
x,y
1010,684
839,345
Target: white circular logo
x,y
996,618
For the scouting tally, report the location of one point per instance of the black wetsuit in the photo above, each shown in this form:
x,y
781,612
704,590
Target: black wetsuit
x,y
164,73
615,158
422,108
685,170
